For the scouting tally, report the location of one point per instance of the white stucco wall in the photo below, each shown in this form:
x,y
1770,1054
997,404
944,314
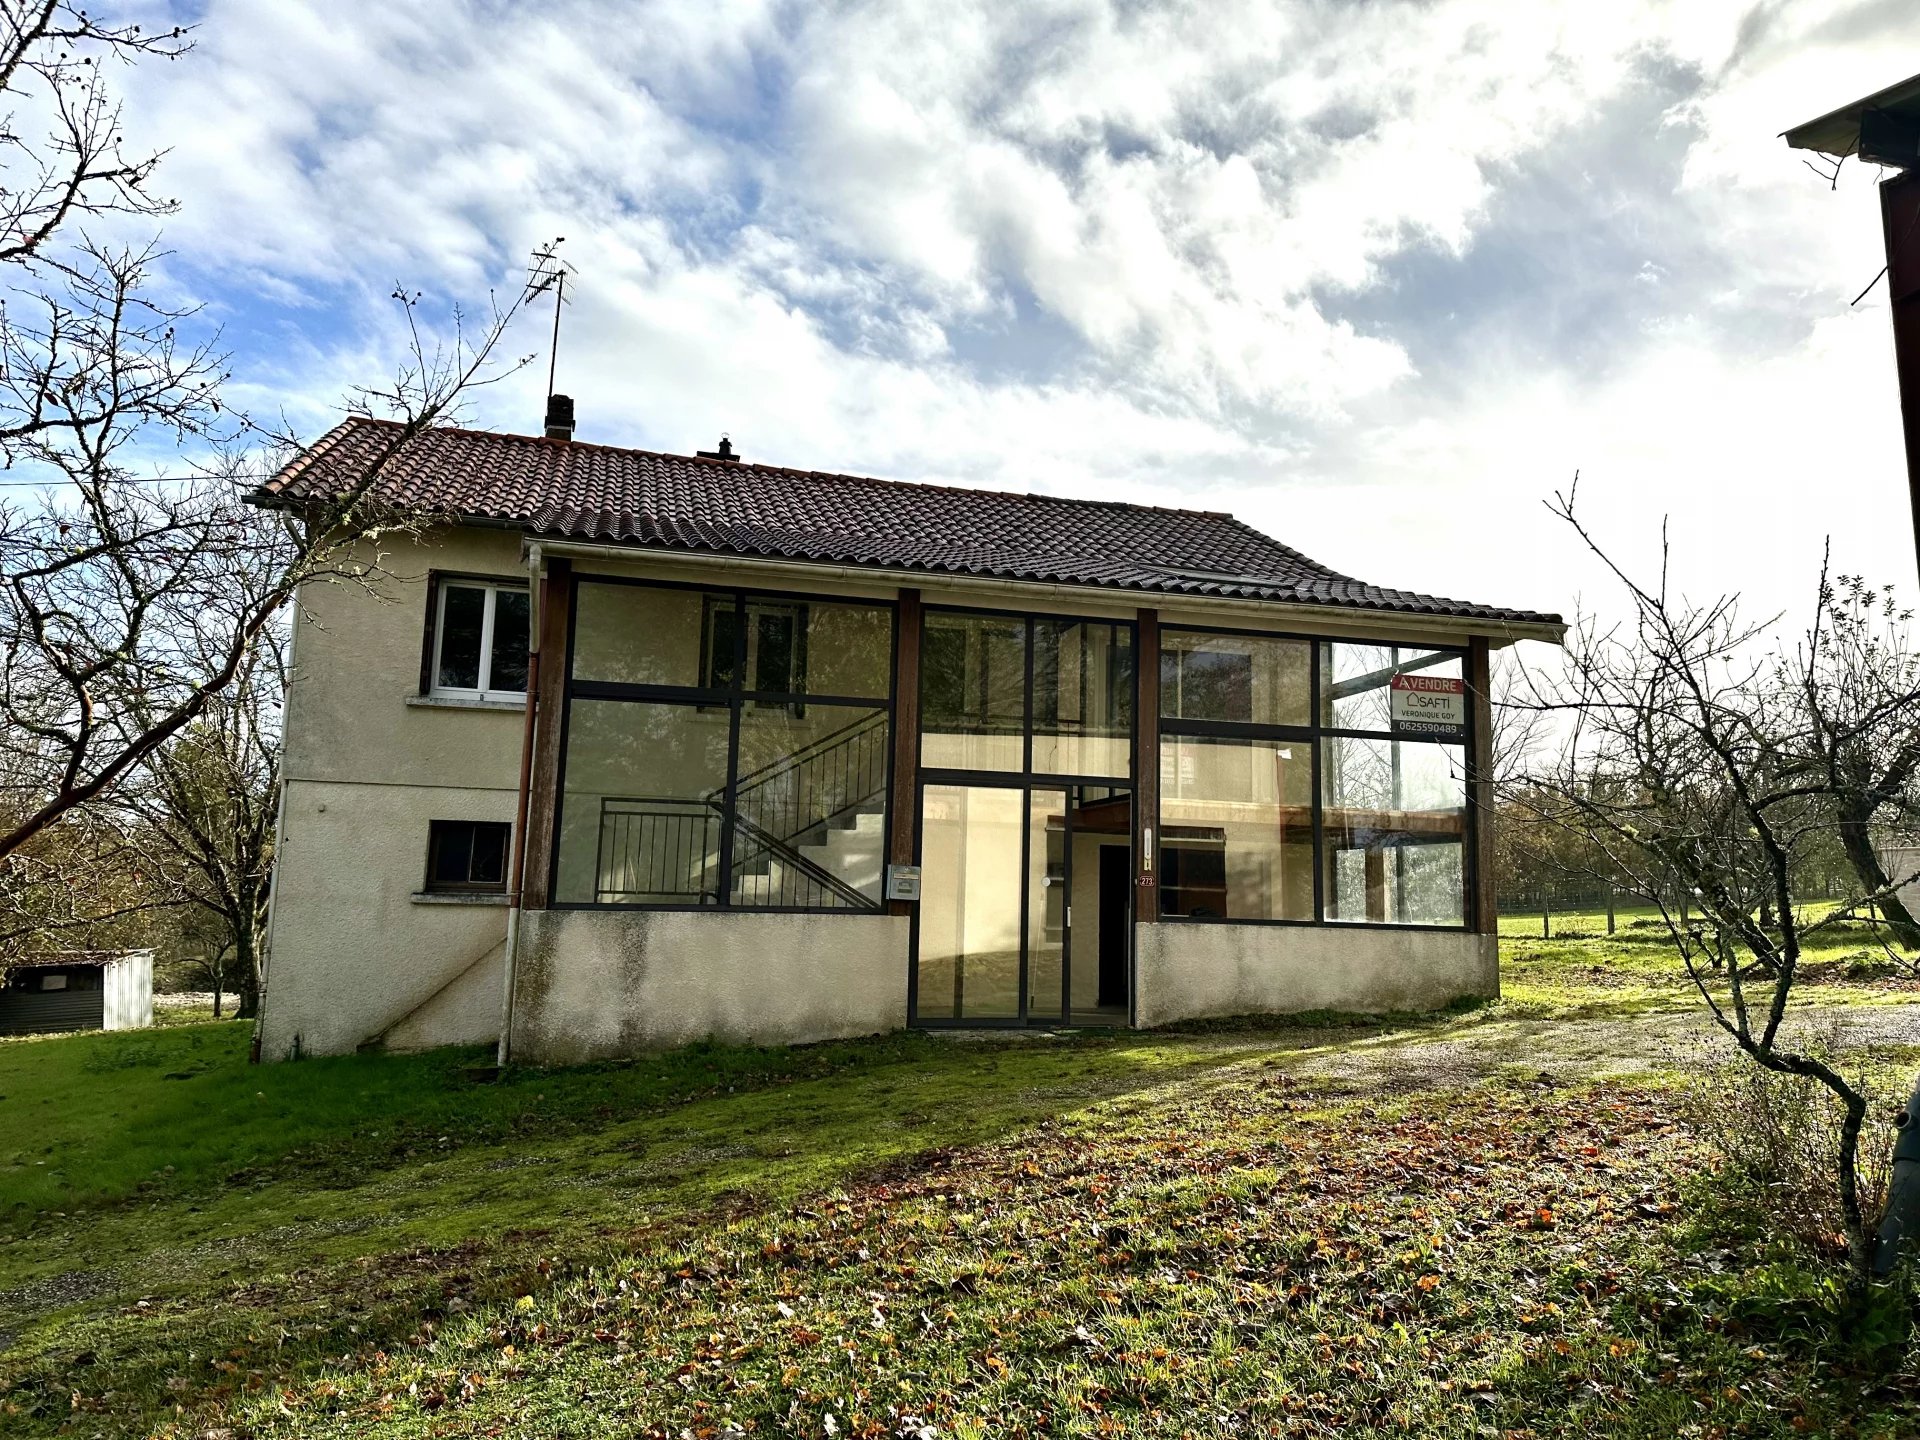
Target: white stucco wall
x,y
1188,972
352,956
593,984
353,953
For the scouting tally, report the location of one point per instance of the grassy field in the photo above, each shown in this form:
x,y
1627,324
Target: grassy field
x,y
1581,969
1444,1225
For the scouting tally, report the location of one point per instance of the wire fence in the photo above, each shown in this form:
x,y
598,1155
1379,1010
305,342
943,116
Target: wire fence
x,y
1584,897
1554,901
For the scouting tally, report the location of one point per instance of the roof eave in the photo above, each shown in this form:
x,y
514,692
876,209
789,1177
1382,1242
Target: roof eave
x,y
1838,131
1500,631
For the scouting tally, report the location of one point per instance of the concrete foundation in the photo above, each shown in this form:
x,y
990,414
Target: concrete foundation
x,y
1190,972
595,985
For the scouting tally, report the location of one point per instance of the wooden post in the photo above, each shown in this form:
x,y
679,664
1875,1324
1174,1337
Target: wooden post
x,y
906,739
1609,907
556,609
1546,913
1147,849
1480,799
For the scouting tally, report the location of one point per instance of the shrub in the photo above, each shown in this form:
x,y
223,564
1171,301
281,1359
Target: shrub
x,y
1778,1139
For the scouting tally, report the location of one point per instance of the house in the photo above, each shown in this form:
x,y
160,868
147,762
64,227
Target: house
x,y
78,990
785,756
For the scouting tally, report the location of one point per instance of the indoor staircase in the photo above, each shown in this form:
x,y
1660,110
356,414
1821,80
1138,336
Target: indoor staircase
x,y
809,832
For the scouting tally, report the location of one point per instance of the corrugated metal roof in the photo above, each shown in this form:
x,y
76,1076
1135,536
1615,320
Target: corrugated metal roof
x,y
571,490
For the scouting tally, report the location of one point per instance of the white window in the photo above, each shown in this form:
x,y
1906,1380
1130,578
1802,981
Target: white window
x,y
480,641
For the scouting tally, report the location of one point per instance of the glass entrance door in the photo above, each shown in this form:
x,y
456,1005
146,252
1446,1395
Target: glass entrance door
x,y
969,961
1026,904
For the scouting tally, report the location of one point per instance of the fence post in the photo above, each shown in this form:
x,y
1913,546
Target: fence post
x,y
1546,914
1609,907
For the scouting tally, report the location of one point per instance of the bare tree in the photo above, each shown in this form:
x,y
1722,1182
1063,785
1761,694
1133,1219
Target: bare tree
x,y
128,599
208,798
1688,763
92,883
1856,675
125,607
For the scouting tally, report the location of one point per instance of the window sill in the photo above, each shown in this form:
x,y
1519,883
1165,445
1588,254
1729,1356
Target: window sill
x,y
459,897
461,702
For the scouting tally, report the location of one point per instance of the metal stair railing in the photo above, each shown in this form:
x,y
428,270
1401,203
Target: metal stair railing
x,y
655,848
658,847
840,774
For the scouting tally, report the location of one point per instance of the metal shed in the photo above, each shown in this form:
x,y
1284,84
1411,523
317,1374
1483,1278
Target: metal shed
x,y
79,990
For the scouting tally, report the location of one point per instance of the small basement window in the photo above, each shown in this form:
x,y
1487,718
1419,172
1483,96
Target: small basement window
x,y
480,641
466,856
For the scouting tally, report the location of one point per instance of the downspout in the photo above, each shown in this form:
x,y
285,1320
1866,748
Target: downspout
x,y
517,864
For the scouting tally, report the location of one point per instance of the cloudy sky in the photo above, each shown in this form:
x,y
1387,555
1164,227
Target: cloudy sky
x,y
1375,277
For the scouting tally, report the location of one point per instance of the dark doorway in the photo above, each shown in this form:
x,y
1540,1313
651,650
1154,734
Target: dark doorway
x,y
1116,881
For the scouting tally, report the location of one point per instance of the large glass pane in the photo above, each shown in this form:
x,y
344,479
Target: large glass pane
x,y
1082,697
645,635
973,675
1236,828
848,650
810,804
1392,689
641,803
1046,903
1395,820
462,616
508,670
1249,678
810,647
970,913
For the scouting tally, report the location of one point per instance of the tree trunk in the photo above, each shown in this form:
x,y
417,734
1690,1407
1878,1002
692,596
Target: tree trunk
x,y
1859,1240
246,957
1856,838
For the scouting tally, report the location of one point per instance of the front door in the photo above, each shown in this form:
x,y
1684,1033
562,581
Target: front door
x,y
1025,912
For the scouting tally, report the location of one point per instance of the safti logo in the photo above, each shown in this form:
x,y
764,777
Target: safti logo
x,y
1430,705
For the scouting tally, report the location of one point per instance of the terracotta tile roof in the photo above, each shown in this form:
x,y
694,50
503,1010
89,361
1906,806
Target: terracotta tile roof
x,y
570,490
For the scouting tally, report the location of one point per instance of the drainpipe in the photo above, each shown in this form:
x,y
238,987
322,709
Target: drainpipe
x,y
517,863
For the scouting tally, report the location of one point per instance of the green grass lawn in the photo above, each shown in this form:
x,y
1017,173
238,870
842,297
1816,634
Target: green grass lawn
x,y
1240,1229
1581,969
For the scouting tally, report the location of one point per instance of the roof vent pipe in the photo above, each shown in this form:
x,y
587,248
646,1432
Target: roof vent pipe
x,y
725,452
559,417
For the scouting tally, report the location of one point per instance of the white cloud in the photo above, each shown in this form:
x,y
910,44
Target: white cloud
x,y
1171,252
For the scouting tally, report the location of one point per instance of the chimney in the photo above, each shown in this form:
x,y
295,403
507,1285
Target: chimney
x,y
725,452
559,417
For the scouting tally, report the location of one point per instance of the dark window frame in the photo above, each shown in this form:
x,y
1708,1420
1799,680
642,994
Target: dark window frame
x,y
1030,620
438,833
1317,734
734,701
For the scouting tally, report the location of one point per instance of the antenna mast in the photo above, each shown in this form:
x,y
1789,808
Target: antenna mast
x,y
549,272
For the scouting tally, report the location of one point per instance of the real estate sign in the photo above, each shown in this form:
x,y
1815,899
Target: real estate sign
x,y
1430,705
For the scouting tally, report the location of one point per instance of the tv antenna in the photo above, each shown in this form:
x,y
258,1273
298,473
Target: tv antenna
x,y
549,272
